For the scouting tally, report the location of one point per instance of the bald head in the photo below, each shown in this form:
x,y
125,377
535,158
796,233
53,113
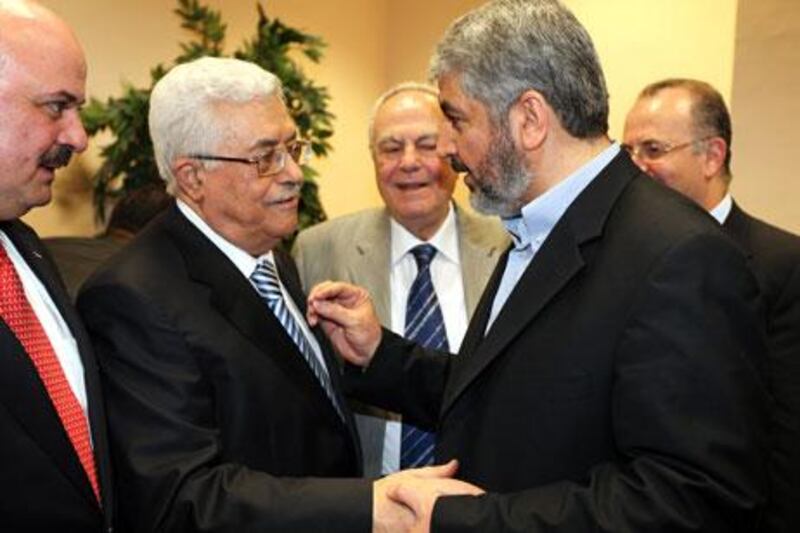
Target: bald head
x,y
25,24
42,86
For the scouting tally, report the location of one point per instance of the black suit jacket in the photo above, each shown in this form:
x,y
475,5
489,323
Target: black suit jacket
x,y
616,390
43,486
775,259
215,419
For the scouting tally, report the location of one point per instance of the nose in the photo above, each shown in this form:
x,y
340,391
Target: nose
x,y
73,133
445,143
641,163
292,172
410,159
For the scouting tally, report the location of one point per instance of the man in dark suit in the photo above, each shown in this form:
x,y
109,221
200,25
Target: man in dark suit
x,y
225,408
54,467
607,380
679,131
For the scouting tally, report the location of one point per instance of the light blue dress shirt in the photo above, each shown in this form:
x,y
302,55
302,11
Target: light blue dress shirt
x,y
537,219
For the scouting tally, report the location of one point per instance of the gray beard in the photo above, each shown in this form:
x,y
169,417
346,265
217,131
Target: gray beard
x,y
501,179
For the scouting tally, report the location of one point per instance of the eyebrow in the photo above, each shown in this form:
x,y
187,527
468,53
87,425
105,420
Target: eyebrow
x,y
266,142
393,139
62,95
449,109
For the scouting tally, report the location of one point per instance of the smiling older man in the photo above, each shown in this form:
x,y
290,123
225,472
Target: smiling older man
x,y
420,234
225,407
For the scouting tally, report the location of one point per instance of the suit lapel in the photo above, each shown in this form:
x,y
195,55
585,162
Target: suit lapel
x,y
477,262
291,280
371,249
21,388
237,301
558,260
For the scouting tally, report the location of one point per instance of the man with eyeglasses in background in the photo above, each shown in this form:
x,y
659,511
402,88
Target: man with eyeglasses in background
x,y
679,131
225,407
384,250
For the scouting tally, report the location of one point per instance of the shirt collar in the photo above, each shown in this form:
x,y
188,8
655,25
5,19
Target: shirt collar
x,y
445,240
538,217
723,209
243,261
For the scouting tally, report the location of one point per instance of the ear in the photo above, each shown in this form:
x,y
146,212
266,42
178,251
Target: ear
x,y
714,162
188,178
529,120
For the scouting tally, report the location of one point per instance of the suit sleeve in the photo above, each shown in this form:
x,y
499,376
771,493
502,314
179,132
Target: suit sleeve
x,y
403,377
166,440
687,408
784,368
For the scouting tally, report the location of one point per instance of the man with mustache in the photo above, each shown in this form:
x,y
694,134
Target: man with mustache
x,y
607,381
54,466
420,235
225,407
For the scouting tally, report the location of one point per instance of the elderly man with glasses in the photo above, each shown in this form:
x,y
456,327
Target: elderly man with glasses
x,y
679,132
225,407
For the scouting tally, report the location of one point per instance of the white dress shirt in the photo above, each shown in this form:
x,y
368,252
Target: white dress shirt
x,y
246,264
723,209
449,286
56,329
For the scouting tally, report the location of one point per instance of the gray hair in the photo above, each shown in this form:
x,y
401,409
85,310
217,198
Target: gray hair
x,y
506,47
406,86
182,115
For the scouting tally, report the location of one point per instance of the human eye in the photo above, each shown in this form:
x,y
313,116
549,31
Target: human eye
x,y
390,149
653,149
55,108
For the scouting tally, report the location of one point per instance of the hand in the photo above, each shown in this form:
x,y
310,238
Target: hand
x,y
419,493
348,318
389,515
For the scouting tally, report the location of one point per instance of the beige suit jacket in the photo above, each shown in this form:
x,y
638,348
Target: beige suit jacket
x,y
356,248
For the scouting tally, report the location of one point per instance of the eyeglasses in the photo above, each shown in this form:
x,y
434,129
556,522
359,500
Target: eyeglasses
x,y
651,150
271,162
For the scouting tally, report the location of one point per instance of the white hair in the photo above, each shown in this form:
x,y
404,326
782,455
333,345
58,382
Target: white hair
x,y
406,86
182,117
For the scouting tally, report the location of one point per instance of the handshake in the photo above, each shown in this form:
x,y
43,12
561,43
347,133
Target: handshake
x,y
404,501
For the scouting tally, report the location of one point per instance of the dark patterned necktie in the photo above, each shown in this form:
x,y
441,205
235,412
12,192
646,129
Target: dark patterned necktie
x,y
265,280
19,316
424,324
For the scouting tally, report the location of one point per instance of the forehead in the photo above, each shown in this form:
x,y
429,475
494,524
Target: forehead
x,y
256,121
412,112
42,59
668,112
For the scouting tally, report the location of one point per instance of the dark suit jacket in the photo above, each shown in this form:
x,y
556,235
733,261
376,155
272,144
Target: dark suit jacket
x,y
216,421
77,257
775,258
43,486
616,390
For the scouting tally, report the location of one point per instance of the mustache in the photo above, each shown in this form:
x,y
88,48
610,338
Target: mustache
x,y
289,190
457,165
56,157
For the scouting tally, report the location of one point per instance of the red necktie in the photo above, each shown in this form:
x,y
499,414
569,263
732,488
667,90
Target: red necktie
x,y
17,313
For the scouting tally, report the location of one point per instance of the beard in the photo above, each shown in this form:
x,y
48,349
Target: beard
x,y
500,180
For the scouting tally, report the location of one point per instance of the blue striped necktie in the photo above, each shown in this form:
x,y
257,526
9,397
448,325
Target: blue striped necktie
x,y
265,280
424,324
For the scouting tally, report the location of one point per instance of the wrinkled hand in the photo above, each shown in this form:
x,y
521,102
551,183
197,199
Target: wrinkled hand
x,y
389,513
348,318
419,493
